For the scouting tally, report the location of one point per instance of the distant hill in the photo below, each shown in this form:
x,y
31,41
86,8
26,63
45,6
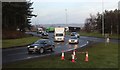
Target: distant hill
x,y
62,25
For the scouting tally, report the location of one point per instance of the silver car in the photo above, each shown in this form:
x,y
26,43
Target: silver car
x,y
74,39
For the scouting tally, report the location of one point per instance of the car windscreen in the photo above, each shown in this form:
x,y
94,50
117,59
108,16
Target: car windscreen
x,y
59,34
73,37
72,34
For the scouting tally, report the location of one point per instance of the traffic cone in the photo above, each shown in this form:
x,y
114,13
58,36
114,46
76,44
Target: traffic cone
x,y
74,54
62,57
86,58
73,58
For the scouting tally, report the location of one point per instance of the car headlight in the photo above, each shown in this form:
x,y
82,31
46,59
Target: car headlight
x,y
69,40
35,47
28,46
75,40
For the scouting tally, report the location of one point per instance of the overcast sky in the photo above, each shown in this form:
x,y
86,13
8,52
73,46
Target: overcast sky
x,y
53,11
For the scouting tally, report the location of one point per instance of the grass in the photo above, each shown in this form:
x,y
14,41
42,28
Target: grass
x,y
94,34
100,56
18,42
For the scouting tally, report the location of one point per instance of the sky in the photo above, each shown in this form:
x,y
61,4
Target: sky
x,y
53,11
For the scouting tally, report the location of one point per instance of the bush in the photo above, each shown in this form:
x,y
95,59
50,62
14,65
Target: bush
x,y
7,34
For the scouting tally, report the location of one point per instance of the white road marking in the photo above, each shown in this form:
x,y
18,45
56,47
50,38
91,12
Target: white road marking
x,y
66,44
85,44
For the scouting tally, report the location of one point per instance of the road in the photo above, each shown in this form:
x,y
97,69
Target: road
x,y
15,54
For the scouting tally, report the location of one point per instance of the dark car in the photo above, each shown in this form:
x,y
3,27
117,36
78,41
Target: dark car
x,y
75,34
44,35
41,46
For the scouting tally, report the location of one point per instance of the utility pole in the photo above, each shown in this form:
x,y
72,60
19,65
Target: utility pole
x,y
102,18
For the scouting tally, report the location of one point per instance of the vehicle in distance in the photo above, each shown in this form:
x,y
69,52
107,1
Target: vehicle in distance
x,y
41,46
75,34
45,35
59,34
50,29
74,39
40,30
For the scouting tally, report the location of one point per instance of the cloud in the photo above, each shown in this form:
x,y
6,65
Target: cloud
x,y
75,0
54,11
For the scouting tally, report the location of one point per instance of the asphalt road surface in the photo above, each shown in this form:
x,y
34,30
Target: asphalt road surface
x,y
15,54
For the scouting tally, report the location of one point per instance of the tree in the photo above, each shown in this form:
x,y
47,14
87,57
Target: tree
x,y
111,22
15,15
90,23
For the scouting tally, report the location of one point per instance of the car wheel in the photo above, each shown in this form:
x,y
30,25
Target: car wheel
x,y
41,50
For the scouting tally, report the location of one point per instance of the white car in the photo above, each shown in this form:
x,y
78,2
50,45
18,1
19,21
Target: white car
x,y
74,39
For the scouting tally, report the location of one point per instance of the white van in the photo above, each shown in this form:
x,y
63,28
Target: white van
x,y
59,34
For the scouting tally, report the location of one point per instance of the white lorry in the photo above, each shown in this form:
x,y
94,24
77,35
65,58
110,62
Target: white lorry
x,y
59,34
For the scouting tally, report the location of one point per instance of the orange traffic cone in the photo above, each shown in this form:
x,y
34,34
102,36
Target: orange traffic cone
x,y
86,58
62,57
73,58
74,54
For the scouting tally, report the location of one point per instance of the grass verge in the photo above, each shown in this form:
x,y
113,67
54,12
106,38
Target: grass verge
x,y
115,36
95,34
18,42
100,56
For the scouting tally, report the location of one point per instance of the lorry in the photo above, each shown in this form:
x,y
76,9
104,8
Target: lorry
x,y
50,29
59,34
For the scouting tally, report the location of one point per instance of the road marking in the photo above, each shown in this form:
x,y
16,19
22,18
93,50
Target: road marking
x,y
29,57
85,44
66,44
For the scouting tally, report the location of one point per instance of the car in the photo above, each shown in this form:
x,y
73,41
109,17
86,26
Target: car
x,y
74,39
75,34
45,35
41,46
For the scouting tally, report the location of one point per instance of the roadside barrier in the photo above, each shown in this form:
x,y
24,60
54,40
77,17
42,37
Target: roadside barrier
x,y
62,57
86,57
